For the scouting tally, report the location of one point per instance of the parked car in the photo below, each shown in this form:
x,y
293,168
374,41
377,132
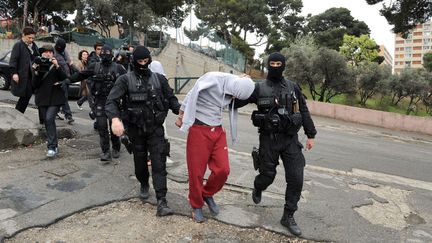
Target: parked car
x,y
5,70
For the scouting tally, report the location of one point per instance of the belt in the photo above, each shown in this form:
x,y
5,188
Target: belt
x,y
198,122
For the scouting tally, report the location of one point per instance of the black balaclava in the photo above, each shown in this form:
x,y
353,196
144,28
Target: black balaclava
x,y
60,45
139,53
275,74
106,55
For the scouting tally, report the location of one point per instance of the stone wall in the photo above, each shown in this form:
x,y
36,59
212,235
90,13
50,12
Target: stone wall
x,y
372,117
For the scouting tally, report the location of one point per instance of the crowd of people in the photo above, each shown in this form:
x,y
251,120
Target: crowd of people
x,y
130,97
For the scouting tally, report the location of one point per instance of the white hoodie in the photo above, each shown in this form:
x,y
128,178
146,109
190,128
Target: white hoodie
x,y
211,93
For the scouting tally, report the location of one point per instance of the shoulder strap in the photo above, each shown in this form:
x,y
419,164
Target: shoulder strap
x,y
290,85
154,80
97,68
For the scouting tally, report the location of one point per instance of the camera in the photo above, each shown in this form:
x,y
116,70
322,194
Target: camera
x,y
43,64
42,60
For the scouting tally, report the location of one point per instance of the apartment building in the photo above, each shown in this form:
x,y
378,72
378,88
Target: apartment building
x,y
388,59
409,52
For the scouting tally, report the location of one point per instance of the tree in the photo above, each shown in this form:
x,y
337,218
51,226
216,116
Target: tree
x,y
33,8
100,13
335,77
238,18
330,27
285,23
371,79
427,94
299,62
415,85
405,14
359,49
427,61
200,31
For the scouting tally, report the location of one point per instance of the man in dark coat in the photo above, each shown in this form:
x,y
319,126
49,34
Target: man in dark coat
x,y
49,95
22,56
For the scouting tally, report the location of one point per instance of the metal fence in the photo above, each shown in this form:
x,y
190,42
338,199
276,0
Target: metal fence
x,y
217,48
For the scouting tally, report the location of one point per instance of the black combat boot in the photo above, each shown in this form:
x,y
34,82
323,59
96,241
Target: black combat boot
x,y
162,208
256,196
115,153
144,192
105,156
289,222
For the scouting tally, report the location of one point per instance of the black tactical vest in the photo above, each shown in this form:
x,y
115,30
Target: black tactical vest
x,y
103,81
275,107
146,103
272,97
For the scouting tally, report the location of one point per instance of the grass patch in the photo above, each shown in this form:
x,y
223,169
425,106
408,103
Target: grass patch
x,y
375,103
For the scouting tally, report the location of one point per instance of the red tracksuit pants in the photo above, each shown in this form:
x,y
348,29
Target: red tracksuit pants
x,y
206,146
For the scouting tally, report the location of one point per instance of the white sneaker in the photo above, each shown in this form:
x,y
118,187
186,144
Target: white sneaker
x,y
79,107
52,152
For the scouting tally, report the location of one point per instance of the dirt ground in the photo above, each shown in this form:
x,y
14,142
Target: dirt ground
x,y
134,221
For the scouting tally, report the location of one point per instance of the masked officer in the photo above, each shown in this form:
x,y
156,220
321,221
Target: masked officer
x,y
281,112
147,97
103,75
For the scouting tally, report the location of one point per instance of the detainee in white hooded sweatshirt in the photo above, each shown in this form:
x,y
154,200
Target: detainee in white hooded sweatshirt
x,y
201,115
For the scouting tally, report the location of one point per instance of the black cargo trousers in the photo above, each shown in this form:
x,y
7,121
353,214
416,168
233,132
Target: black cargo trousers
x,y
151,141
104,126
271,146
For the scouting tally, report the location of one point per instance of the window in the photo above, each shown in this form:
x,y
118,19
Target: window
x,y
426,26
408,41
408,64
426,47
408,49
409,55
427,33
426,40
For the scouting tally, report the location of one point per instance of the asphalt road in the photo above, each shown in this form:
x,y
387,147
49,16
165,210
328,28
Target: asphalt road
x,y
345,146
338,145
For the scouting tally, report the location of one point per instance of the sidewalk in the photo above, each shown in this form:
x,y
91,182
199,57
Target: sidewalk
x,y
336,206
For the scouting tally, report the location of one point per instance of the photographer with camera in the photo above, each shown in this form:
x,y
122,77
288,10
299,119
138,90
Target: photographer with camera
x,y
281,112
49,95
103,75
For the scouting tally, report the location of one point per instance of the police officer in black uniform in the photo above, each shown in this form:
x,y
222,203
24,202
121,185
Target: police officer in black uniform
x,y
281,112
103,75
146,96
